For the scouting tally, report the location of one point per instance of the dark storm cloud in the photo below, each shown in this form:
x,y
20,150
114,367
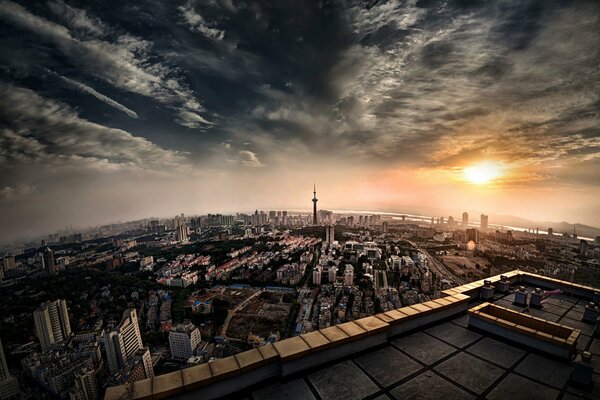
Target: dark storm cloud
x,y
239,85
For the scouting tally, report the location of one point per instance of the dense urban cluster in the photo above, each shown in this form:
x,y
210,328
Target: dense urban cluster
x,y
120,303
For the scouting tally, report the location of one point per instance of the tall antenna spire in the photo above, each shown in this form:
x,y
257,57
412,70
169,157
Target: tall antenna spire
x,y
314,200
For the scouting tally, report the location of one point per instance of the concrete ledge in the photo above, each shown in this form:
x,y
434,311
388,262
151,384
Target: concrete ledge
x,y
353,330
249,360
196,377
335,335
292,348
224,368
167,385
316,341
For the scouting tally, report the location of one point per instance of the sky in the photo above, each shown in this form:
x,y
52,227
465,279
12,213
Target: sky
x,y
119,110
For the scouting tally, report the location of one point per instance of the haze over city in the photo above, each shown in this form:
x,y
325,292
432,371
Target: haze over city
x,y
114,111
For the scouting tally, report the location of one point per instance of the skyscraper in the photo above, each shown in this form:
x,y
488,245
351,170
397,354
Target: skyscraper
x,y
484,222
52,323
48,259
348,275
86,386
182,235
329,233
124,342
316,275
384,227
465,220
314,200
9,387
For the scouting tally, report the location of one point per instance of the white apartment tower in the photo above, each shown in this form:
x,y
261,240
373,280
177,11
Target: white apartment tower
x,y
349,275
465,220
316,276
86,387
184,339
332,273
52,323
123,343
484,222
182,233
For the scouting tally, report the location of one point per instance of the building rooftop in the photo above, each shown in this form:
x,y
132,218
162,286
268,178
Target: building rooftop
x,y
426,351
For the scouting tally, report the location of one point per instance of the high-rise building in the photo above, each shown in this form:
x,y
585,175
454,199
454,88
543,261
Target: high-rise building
x,y
583,247
349,275
9,263
52,323
384,227
465,219
48,261
314,200
184,339
182,233
329,234
9,386
450,220
550,231
351,220
472,235
484,222
332,273
86,386
124,342
316,275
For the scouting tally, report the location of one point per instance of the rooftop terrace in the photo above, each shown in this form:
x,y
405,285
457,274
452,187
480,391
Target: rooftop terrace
x,y
425,351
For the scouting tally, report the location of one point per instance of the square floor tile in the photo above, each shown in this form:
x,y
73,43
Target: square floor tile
x,y
497,352
454,334
554,309
575,314
294,390
582,342
586,329
559,301
388,365
504,302
342,381
463,321
429,386
471,372
543,314
545,370
515,387
424,347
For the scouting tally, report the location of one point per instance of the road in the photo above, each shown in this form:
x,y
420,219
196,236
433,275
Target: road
x,y
437,266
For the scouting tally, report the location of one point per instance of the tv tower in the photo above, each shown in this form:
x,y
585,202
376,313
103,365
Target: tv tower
x,y
314,200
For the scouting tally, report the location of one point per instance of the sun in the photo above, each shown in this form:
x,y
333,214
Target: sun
x,y
483,173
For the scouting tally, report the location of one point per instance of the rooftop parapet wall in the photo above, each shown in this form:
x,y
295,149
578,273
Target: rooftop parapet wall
x,y
300,353
233,374
472,289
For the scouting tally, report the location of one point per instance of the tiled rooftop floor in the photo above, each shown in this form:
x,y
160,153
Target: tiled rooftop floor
x,y
449,361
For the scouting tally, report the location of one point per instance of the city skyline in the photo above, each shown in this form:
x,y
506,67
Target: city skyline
x,y
119,111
